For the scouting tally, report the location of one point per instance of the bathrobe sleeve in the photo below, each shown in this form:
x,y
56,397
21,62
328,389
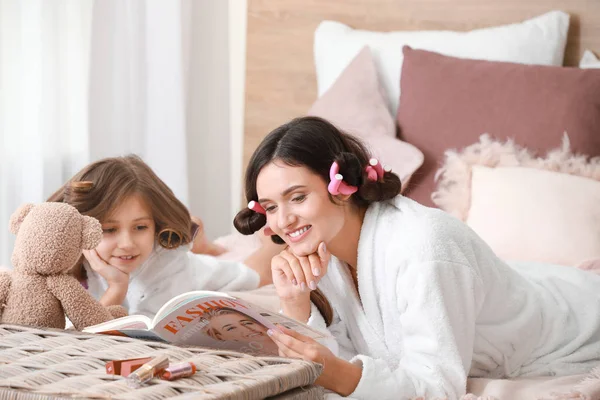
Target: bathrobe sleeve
x,y
438,303
339,342
222,275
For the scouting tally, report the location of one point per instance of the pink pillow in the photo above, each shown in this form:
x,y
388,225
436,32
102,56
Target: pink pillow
x,y
448,102
356,104
527,208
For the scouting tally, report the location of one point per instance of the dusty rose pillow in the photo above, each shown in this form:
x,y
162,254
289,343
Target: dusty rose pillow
x,y
449,102
356,104
528,208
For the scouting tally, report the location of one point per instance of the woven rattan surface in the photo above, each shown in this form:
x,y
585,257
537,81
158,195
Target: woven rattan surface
x,y
51,364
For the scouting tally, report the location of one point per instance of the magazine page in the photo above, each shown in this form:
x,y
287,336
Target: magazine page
x,y
290,323
139,322
181,299
218,322
134,333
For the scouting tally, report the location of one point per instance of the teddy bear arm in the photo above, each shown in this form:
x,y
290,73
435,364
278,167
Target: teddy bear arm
x,y
81,308
117,311
5,281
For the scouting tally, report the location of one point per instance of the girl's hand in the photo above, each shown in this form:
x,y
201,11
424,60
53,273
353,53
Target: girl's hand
x,y
338,375
113,275
295,276
201,244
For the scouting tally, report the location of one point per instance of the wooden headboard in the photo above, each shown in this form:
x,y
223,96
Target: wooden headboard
x,y
280,76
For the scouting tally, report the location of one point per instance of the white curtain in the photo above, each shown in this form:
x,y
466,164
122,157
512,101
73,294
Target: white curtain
x,y
44,65
137,81
82,80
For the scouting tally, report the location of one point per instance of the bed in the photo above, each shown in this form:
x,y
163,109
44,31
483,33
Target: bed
x,y
287,71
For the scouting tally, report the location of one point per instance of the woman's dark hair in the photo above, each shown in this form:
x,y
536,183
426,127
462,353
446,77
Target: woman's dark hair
x,y
314,143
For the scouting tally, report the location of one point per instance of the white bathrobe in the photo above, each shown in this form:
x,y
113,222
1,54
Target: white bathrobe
x,y
168,273
438,306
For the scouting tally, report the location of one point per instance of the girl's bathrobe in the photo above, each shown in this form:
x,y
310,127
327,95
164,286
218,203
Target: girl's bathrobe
x,y
168,273
435,305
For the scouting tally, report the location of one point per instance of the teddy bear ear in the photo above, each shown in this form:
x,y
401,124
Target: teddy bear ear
x,y
18,217
91,234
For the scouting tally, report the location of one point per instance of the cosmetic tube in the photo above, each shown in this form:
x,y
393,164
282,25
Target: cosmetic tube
x,y
180,370
147,371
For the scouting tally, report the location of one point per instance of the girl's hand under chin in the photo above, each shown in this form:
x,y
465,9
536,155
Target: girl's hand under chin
x,y
113,275
118,281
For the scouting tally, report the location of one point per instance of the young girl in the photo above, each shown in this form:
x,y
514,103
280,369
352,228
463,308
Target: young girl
x,y
415,300
144,258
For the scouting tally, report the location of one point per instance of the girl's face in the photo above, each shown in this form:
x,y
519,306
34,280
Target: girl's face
x,y
298,207
128,238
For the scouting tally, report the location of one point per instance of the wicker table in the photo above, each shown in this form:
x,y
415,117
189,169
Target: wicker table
x,y
54,364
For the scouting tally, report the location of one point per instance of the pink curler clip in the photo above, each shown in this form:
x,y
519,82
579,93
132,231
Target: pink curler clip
x,y
254,206
337,185
374,170
371,173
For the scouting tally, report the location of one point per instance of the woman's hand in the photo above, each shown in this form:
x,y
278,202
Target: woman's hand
x,y
295,276
338,375
202,245
113,275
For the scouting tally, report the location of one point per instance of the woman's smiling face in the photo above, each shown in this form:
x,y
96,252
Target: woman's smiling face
x,y
238,327
298,206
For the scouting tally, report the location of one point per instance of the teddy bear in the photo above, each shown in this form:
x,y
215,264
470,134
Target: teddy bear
x,y
39,291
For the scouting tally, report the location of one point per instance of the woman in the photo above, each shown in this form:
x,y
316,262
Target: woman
x,y
414,298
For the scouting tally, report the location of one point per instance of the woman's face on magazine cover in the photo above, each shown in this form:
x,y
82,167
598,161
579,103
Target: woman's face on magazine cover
x,y
298,207
239,327
128,235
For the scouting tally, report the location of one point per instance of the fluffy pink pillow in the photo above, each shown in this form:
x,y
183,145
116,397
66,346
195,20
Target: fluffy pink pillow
x,y
356,104
525,207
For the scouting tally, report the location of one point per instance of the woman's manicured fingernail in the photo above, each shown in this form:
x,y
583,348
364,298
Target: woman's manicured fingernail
x,y
270,332
294,282
303,286
324,247
316,271
312,285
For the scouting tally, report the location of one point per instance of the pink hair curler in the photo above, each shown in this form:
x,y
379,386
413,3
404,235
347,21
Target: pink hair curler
x,y
374,170
337,185
254,206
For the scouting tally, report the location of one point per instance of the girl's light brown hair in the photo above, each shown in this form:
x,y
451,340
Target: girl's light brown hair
x,y
98,189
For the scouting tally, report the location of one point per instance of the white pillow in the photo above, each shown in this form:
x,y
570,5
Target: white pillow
x,y
589,60
531,214
540,40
